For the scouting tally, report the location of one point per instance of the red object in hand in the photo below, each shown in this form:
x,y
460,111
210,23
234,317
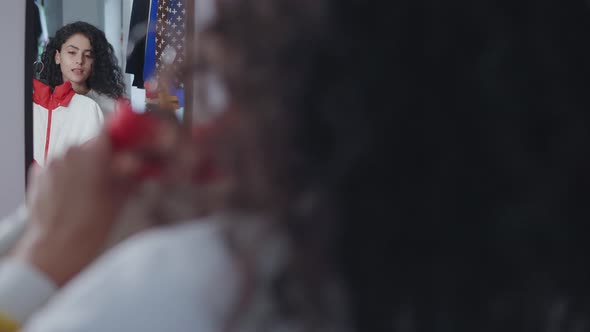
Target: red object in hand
x,y
207,170
129,130
137,131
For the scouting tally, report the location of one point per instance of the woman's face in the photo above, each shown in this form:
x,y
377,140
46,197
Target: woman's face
x,y
75,59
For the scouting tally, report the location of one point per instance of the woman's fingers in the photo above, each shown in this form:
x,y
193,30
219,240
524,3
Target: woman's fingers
x,y
73,202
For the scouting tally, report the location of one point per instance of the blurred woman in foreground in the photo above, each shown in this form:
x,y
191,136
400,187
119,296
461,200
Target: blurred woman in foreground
x,y
386,166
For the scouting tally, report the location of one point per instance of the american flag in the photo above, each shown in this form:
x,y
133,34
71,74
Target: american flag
x,y
170,38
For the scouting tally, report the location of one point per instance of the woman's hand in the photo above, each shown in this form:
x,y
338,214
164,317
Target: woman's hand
x,y
73,204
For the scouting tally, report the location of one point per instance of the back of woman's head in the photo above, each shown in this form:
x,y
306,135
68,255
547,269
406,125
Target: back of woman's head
x,y
431,155
106,76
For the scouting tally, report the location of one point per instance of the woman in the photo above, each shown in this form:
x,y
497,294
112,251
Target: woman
x,y
80,53
80,82
388,166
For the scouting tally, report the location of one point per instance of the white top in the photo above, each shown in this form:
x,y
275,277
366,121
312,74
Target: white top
x,y
16,277
73,125
180,278
106,103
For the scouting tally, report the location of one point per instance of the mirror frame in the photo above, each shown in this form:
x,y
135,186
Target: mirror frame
x,y
30,46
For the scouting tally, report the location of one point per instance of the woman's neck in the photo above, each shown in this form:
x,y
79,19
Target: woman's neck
x,y
81,89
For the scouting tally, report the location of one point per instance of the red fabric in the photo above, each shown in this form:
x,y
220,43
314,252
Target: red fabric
x,y
208,170
130,130
61,96
150,90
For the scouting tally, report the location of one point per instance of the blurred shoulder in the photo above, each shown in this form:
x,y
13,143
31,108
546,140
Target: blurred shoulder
x,y
170,278
107,104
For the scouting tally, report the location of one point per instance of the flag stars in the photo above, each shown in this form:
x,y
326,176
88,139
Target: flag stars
x,y
170,36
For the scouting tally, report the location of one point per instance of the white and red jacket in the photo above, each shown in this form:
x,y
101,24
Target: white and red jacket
x,y
61,119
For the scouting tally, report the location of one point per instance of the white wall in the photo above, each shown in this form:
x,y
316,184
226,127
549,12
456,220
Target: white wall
x,y
91,11
113,27
106,15
12,130
54,15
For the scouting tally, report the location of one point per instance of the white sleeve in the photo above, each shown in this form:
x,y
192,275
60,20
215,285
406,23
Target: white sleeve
x,y
171,280
93,123
89,121
107,105
23,289
99,113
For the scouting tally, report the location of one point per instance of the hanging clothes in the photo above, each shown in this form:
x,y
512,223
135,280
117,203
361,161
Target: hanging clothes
x,y
170,38
138,27
165,51
149,66
44,37
61,119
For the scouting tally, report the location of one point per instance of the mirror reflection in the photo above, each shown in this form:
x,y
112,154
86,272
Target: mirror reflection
x,y
93,54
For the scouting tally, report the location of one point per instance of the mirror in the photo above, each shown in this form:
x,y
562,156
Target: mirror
x,y
78,78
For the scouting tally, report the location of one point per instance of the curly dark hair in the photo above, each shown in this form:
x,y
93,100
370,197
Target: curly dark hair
x,y
106,77
432,155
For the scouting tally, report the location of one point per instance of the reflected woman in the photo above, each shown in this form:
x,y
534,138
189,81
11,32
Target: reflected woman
x,y
77,87
81,54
